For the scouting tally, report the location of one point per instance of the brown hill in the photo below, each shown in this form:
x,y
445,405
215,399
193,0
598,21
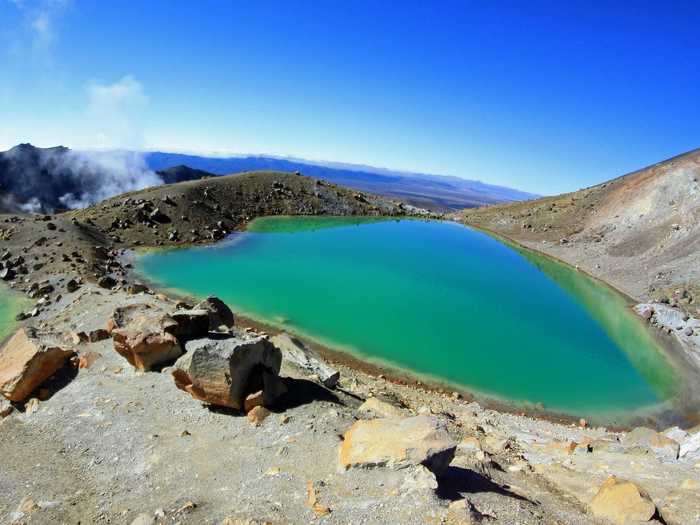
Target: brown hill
x,y
640,232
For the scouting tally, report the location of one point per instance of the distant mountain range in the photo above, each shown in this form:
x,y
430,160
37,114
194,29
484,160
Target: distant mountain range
x,y
431,191
45,180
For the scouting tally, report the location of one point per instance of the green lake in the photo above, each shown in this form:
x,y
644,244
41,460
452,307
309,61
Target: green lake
x,y
438,299
11,304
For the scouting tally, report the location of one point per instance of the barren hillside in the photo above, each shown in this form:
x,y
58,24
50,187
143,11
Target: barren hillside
x,y
640,232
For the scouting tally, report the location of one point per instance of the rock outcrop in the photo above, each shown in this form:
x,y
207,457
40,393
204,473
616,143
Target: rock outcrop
x,y
27,360
301,356
224,371
397,443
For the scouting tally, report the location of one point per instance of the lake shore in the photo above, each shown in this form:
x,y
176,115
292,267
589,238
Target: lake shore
x,y
659,417
98,431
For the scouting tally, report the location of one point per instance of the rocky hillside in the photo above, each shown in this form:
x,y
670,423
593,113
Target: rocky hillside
x,y
640,232
50,180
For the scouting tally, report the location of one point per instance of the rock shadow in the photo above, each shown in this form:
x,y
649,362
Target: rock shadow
x,y
456,481
303,392
61,379
299,392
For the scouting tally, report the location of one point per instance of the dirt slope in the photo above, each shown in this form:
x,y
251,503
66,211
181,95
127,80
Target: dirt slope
x,y
640,232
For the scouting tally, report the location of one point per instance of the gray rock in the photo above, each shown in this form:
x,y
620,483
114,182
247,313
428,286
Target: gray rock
x,y
224,371
301,356
646,438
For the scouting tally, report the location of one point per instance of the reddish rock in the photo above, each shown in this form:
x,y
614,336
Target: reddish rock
x,y
141,335
257,415
253,400
27,360
144,348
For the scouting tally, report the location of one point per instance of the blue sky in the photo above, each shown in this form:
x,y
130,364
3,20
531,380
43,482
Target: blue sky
x,y
542,96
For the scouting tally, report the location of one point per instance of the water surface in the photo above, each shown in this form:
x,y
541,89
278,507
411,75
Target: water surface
x,y
11,304
439,299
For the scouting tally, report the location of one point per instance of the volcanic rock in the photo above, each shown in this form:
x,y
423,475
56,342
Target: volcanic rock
x,y
397,443
191,324
303,357
653,441
106,282
142,337
219,313
6,408
257,415
377,407
224,371
27,360
622,502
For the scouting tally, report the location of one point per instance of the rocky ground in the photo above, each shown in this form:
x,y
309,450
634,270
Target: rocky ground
x,y
110,436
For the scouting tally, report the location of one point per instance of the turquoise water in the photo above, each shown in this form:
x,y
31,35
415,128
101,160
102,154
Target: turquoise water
x,y
11,304
439,299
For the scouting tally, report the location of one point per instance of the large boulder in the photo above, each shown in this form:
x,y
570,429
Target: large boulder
x,y
143,336
219,314
27,360
224,371
397,443
621,502
301,356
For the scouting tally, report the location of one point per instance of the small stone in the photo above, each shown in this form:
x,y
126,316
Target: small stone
x,y
257,415
28,505
253,400
312,501
31,406
99,334
6,407
106,282
377,407
187,507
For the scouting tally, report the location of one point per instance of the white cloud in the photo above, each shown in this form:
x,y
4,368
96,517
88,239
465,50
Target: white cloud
x,y
115,111
40,19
